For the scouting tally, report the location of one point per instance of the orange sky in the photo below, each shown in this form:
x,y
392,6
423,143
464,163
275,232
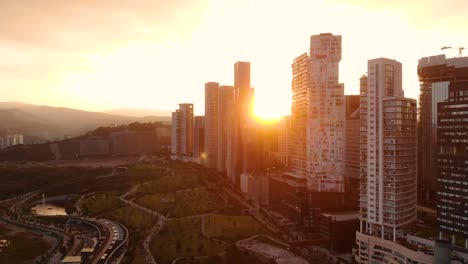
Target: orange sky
x,y
154,54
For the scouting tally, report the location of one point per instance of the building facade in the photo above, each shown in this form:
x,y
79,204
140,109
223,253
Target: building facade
x,y
388,198
182,130
284,152
352,150
224,128
326,116
211,124
300,104
199,136
452,157
241,137
435,76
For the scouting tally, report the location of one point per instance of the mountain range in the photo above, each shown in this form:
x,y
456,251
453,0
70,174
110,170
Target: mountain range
x,y
39,123
137,112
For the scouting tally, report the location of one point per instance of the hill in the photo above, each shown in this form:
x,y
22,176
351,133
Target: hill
x,y
41,123
138,112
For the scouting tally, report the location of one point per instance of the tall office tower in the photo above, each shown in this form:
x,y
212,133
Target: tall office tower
x,y
198,136
284,140
352,150
225,114
211,123
300,102
452,158
243,95
182,130
436,74
326,116
388,194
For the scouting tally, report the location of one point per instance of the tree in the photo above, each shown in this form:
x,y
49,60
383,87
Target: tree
x,y
178,245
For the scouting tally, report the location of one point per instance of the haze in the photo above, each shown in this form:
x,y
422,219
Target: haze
x,y
96,55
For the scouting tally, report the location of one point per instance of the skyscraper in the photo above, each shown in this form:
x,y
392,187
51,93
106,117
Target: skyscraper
x,y
300,103
243,99
452,145
388,186
225,114
182,130
211,124
436,74
326,116
199,136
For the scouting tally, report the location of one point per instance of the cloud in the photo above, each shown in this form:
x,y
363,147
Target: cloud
x,y
81,24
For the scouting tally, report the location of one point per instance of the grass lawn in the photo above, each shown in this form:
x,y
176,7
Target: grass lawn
x,y
182,238
183,203
162,202
24,246
172,183
131,217
232,228
144,171
100,202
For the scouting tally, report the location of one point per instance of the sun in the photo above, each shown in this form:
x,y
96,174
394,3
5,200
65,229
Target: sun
x,y
267,110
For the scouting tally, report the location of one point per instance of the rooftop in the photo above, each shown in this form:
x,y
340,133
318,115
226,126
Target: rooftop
x,y
71,259
343,215
87,250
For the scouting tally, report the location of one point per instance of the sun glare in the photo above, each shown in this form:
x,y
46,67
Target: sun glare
x,y
268,108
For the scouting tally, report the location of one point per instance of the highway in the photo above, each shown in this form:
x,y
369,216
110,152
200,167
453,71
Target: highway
x,y
111,237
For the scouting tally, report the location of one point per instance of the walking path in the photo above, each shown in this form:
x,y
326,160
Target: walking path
x,y
149,259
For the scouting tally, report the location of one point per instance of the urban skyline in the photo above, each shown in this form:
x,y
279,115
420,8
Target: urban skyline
x,y
305,132
380,126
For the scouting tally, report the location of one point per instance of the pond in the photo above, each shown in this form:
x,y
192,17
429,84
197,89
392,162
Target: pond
x,y
48,209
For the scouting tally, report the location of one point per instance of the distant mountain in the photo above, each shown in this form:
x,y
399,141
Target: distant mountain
x,y
41,122
138,112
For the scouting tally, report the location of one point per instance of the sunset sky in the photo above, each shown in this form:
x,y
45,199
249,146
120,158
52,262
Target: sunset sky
x,y
98,55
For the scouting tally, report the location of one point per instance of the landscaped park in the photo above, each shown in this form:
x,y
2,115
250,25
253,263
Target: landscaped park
x,y
196,228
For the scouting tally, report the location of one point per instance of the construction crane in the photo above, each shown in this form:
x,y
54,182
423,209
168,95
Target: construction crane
x,y
460,49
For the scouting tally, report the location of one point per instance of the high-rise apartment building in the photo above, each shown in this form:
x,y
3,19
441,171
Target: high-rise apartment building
x,y
300,104
182,130
211,124
225,125
199,136
352,150
326,116
452,146
388,168
436,74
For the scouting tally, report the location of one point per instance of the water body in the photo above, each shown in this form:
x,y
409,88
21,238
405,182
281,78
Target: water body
x,y
48,209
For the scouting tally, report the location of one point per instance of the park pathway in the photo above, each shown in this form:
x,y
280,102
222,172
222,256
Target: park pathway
x,y
149,259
